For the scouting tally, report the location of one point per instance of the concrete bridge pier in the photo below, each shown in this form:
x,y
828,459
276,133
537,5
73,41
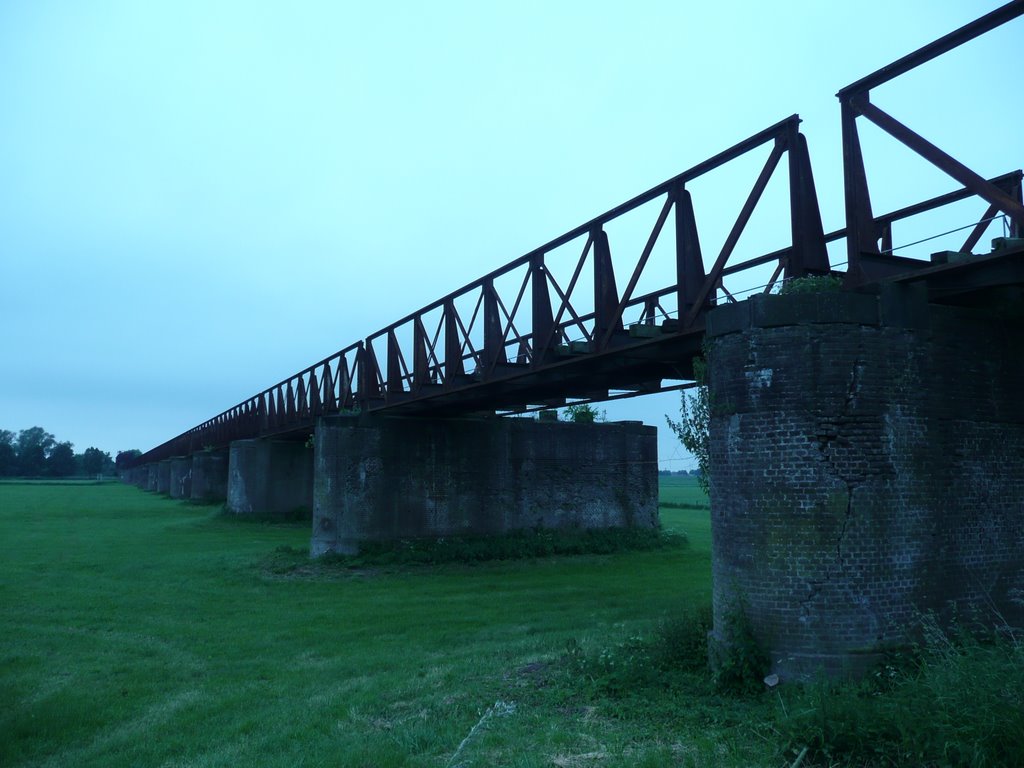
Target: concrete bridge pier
x,y
381,478
270,478
181,477
152,472
210,477
866,469
163,477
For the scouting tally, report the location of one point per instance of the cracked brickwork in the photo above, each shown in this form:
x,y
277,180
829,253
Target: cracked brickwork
x,y
864,472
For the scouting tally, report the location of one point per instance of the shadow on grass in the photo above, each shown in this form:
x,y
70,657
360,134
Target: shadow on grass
x,y
518,545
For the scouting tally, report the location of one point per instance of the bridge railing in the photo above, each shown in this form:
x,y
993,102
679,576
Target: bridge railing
x,y
1011,183
867,236
321,389
521,316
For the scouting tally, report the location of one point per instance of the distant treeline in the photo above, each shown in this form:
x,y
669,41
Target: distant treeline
x,y
679,473
34,452
683,505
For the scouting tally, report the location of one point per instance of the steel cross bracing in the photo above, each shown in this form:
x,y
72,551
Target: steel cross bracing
x,y
523,336
869,238
520,338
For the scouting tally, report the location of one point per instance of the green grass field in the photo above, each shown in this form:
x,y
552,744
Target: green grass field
x,y
140,631
677,491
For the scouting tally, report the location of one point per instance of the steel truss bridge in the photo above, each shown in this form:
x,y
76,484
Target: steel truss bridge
x,y
526,337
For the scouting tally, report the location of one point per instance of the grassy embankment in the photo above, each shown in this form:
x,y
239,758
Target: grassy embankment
x,y
138,631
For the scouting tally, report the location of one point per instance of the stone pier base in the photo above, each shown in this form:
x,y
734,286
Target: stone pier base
x,y
270,478
384,478
210,477
152,473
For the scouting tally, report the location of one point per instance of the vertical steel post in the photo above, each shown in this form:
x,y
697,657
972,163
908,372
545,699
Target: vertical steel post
x,y
1017,193
302,410
543,319
369,374
606,296
394,372
346,399
289,403
327,387
420,374
452,345
809,254
315,404
494,342
860,222
690,274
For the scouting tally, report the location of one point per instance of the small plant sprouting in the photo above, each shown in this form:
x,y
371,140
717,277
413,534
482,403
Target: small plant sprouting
x,y
583,413
666,656
738,661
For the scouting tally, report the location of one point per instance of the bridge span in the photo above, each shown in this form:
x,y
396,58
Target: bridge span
x,y
866,443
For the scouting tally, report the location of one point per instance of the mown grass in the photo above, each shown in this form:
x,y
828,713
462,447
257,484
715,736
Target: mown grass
x,y
57,481
138,631
141,631
679,492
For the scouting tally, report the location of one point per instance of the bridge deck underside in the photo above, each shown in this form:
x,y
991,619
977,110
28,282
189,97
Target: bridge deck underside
x,y
640,366
629,365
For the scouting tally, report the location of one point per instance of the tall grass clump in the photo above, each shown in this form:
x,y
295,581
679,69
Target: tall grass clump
x,y
957,700
666,657
740,663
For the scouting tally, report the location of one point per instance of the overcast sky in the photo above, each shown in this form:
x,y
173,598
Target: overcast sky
x,y
198,199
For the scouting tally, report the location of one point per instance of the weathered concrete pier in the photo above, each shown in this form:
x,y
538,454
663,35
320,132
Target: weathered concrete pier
x,y
210,477
382,478
181,478
270,478
377,478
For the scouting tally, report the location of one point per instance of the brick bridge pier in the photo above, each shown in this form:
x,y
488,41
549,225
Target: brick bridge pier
x,y
867,468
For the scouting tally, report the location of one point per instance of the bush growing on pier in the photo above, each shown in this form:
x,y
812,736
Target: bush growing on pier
x,y
811,284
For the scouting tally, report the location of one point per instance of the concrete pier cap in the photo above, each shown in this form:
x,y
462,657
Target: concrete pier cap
x,y
386,478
